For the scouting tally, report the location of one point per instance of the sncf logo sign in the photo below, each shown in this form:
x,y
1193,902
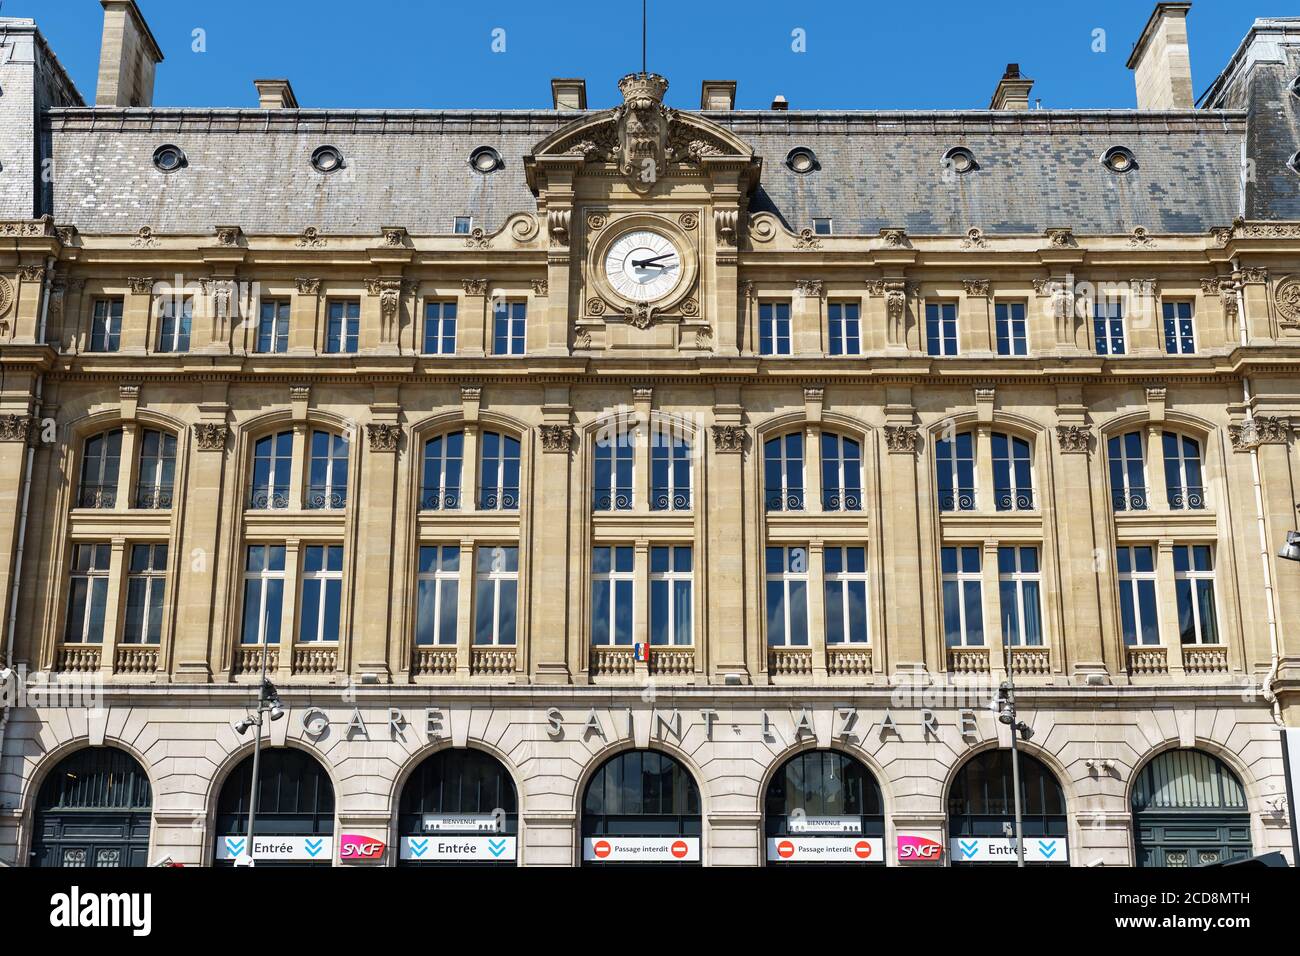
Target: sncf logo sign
x,y
913,849
355,847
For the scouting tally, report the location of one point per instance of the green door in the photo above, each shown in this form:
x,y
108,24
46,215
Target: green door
x,y
93,810
1189,809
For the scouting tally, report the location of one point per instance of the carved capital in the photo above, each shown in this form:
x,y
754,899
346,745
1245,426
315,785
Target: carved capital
x,y
976,286
811,288
307,286
140,285
1259,430
474,286
383,436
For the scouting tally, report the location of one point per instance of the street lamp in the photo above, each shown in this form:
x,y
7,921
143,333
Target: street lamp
x,y
268,702
1291,550
1006,701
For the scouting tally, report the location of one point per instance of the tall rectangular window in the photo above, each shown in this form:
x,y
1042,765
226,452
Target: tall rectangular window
x,y
1018,594
174,325
272,458
841,473
498,472
263,594
774,328
1180,331
670,468
963,600
343,326
783,472
496,594
440,482
846,595
153,489
1128,484
273,326
87,594
941,328
1184,484
106,326
1013,484
845,328
100,458
1198,621
440,328
954,463
1013,338
1137,594
438,594
322,593
509,327
787,597
612,470
612,589
145,584
671,580
327,478
1108,326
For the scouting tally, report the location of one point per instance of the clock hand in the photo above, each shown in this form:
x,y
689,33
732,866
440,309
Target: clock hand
x,y
642,263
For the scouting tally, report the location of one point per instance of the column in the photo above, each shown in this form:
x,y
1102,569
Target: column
x,y
472,318
806,318
297,465
812,469
136,317
126,467
1076,542
1167,603
196,589
114,605
550,501
900,533
372,613
817,608
985,499
725,528
289,607
992,609
465,608
304,317
16,424
1157,494
977,318
641,602
642,399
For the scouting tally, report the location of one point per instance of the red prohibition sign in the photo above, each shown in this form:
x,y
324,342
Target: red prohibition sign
x,y
863,849
680,849
601,849
785,849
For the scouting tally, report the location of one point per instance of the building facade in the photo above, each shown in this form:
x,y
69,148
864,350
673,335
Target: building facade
x,y
646,484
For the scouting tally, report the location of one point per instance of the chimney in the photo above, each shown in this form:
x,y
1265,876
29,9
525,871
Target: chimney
x,y
718,95
779,102
568,94
1163,68
1013,90
275,95
128,54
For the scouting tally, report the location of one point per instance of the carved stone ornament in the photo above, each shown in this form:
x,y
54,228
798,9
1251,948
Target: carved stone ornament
x,y
310,239
1256,431
689,221
894,238
976,286
974,239
639,315
1140,237
596,306
556,438
15,427
596,221
895,300
540,286
1241,229
729,439
477,239
1060,238
394,236
210,436
6,295
807,239
726,221
1073,439
144,239
582,339
383,436
228,236
704,338
140,285
809,288
557,225
690,308
1254,274
31,274
902,439
642,125
307,286
474,286
1286,296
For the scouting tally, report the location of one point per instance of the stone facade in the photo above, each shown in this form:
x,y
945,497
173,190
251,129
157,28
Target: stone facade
x,y
730,705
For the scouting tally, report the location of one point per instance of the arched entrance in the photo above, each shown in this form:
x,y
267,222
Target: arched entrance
x,y
1189,809
459,807
824,807
294,823
93,810
981,813
641,807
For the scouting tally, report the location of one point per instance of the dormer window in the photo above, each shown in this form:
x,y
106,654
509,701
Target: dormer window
x,y
326,159
822,227
485,160
1119,159
960,160
168,158
461,225
802,160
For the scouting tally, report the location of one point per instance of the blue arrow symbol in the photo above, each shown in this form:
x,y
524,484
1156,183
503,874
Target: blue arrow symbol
x,y
1047,848
235,846
313,847
496,847
418,846
969,848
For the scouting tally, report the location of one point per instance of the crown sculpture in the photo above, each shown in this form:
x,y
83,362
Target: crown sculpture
x,y
643,122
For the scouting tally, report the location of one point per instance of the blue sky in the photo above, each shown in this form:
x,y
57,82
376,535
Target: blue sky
x,y
404,54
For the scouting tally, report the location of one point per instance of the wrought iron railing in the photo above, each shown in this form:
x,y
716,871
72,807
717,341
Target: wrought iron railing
x,y
957,499
791,499
499,499
439,499
1007,499
97,496
618,499
262,499
1130,499
665,500
152,496
326,498
841,499
1191,498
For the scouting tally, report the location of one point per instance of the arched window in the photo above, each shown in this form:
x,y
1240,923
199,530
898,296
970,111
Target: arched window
x,y
954,464
440,485
1013,482
670,468
458,807
101,455
641,806
154,485
612,469
1128,484
981,809
295,804
1189,809
823,806
93,811
841,473
327,481
1184,482
272,458
499,472
783,472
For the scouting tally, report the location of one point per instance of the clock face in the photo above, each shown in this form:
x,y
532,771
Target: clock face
x,y
643,266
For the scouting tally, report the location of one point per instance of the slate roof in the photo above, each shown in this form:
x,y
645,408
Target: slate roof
x,y
1036,169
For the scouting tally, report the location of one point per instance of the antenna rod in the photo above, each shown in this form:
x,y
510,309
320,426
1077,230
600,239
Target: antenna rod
x,y
643,30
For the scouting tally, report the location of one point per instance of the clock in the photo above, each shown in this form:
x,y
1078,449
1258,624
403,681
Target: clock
x,y
643,266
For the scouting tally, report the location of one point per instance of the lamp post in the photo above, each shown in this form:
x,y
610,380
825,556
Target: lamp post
x,y
1007,715
268,702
